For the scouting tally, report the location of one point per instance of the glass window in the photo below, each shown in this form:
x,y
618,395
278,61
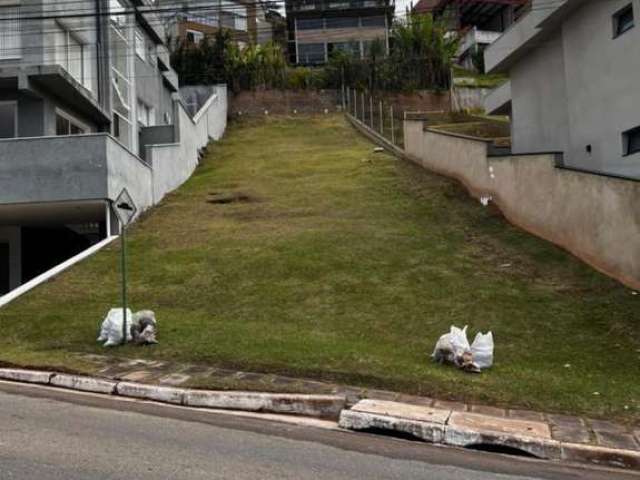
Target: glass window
x,y
118,15
8,119
310,24
67,126
10,38
352,48
623,20
311,53
373,21
141,49
194,36
342,22
631,141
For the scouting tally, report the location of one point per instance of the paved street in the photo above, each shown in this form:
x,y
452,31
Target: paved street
x,y
48,434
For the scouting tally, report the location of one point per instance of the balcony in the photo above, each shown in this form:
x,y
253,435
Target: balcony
x,y
71,168
475,37
518,39
337,5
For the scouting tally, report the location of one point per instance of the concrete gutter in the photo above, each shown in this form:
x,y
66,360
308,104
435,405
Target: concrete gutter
x,y
471,430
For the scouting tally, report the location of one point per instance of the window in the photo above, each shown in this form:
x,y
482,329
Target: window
x,y
146,115
311,53
141,49
310,24
66,125
374,21
631,141
350,48
193,36
623,21
10,39
345,22
8,119
118,14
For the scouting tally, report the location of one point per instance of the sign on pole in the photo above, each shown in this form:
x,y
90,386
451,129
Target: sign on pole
x,y
126,210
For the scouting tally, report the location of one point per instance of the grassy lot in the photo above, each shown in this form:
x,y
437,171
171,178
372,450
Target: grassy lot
x,y
339,263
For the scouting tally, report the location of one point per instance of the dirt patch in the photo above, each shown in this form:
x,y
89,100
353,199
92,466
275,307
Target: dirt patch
x,y
226,198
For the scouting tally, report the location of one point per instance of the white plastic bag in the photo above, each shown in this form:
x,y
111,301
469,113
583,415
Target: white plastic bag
x,y
453,348
111,329
482,350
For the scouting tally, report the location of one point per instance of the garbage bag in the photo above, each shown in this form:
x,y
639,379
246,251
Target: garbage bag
x,y
144,328
111,329
482,350
453,348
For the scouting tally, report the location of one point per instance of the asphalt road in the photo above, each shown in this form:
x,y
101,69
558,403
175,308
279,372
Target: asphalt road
x,y
47,434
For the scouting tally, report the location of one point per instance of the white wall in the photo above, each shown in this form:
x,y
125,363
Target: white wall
x,y
540,121
603,79
174,163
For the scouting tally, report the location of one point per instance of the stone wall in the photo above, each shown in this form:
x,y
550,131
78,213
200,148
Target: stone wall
x,y
595,217
283,102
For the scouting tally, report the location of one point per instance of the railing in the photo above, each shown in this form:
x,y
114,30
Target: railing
x,y
376,113
340,5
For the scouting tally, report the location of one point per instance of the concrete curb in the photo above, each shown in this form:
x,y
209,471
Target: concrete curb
x,y
439,426
464,429
320,406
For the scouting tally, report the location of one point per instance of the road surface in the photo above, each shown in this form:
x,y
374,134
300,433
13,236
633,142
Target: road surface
x,y
49,434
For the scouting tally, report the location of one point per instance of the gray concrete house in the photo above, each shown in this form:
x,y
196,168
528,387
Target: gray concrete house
x,y
574,69
89,105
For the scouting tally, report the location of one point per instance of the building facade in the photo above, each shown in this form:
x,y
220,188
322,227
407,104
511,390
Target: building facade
x,y
574,72
190,21
86,96
478,22
317,28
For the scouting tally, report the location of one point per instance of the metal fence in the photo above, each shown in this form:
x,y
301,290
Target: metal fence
x,y
376,113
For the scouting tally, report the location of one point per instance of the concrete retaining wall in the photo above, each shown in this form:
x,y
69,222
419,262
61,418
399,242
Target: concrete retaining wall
x,y
284,102
592,216
174,163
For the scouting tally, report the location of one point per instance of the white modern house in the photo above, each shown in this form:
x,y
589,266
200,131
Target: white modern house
x,y
574,68
89,105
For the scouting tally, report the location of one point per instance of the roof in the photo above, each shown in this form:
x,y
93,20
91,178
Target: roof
x,y
425,6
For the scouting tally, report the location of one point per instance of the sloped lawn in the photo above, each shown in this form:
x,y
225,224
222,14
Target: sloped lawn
x,y
296,249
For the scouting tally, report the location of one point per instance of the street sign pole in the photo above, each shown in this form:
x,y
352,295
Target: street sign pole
x,y
125,209
123,262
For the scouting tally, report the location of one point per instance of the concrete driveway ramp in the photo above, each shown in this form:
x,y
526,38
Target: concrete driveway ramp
x,y
474,430
424,423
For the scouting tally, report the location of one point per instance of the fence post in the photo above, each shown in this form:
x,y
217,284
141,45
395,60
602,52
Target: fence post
x,y
355,103
371,110
393,131
363,109
381,120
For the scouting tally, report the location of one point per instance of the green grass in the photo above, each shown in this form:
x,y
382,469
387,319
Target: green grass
x,y
346,265
468,78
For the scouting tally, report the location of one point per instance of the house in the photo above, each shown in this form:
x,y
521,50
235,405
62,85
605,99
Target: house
x,y
478,22
424,6
574,70
317,28
89,106
191,20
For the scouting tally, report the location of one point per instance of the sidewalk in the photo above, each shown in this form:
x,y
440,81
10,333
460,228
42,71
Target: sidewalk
x,y
545,436
562,428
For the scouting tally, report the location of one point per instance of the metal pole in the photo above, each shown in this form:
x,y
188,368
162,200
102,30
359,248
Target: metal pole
x,y
363,114
123,243
393,131
355,103
381,120
371,110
